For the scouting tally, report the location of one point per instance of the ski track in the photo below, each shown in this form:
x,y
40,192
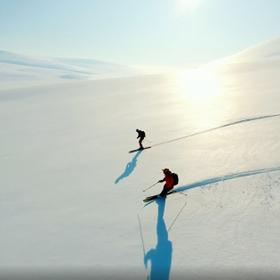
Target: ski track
x,y
218,127
226,177
223,178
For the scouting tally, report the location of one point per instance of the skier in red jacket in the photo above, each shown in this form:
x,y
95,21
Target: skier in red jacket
x,y
169,182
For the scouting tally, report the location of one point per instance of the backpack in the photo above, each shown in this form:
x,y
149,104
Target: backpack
x,y
141,133
175,179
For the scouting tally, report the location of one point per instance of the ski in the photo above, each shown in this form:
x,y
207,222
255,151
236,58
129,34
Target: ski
x,y
154,197
139,149
150,198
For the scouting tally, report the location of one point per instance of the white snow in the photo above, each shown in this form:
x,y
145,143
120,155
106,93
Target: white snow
x,y
264,50
71,194
17,71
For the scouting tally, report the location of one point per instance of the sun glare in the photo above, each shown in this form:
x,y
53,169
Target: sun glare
x,y
199,85
204,97
187,5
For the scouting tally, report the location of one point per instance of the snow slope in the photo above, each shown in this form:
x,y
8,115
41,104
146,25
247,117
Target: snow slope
x,y
263,56
71,194
264,50
17,70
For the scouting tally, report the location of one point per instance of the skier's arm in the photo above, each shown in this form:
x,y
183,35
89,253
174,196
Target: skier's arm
x,y
161,181
148,256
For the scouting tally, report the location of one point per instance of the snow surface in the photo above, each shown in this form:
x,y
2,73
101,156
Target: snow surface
x,y
17,71
71,194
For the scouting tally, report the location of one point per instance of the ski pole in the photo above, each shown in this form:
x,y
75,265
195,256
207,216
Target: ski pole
x,y
141,235
150,187
173,222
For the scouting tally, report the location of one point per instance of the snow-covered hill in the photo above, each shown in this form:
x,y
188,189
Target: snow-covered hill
x,y
71,194
265,55
264,50
21,70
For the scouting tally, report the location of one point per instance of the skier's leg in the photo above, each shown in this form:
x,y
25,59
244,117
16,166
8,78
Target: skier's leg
x,y
164,192
140,143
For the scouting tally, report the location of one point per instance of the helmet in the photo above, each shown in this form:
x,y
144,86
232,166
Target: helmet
x,y
166,170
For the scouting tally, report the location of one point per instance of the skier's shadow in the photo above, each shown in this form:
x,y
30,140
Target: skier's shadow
x,y
129,167
160,257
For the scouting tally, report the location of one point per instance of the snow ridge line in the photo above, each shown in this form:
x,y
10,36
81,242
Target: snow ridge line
x,y
218,127
226,177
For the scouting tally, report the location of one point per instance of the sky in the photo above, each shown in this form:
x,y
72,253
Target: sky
x,y
133,32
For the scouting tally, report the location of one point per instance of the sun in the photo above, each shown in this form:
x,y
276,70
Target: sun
x,y
187,5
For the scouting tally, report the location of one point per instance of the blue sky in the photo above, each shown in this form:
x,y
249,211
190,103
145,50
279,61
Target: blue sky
x,y
144,32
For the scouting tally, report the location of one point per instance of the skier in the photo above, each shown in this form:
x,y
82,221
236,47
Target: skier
x,y
141,136
169,182
171,179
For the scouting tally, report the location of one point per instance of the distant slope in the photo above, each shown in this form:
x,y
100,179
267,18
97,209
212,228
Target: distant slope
x,y
265,55
20,70
265,50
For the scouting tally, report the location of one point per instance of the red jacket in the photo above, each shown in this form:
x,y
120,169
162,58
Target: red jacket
x,y
169,181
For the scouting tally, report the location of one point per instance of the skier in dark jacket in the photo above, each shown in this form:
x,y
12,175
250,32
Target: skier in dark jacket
x,y
141,136
169,182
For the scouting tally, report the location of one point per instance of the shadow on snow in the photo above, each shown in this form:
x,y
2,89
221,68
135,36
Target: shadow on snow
x,y
129,167
226,177
160,257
